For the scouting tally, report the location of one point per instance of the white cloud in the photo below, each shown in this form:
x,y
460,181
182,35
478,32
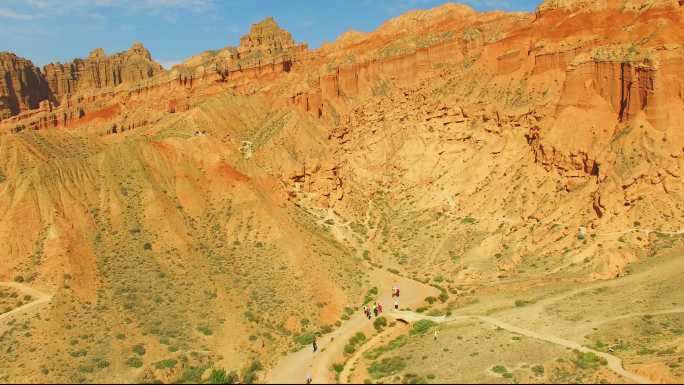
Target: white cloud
x,y
9,14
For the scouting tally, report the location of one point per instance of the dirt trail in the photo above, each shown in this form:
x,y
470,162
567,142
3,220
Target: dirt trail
x,y
614,363
41,298
377,340
631,315
293,368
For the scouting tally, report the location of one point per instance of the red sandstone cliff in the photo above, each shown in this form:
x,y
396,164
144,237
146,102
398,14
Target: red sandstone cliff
x,y
22,86
101,71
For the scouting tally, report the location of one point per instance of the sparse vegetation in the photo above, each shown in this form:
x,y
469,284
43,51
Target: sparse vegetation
x,y
422,327
386,367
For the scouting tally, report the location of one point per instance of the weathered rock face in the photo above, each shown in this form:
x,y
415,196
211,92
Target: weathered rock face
x,y
266,49
22,86
100,71
264,42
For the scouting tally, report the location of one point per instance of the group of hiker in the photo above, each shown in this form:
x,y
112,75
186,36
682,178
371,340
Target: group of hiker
x,y
376,308
369,311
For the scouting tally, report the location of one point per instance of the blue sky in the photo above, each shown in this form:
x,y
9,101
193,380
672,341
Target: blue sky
x,y
60,30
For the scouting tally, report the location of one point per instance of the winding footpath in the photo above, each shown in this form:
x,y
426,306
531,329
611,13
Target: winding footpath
x,y
294,367
41,298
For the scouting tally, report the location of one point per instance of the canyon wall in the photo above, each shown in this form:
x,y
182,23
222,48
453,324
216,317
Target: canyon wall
x,y
101,71
22,86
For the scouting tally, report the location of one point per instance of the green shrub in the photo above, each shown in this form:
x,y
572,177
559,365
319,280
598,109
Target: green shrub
x,y
192,374
219,376
134,362
468,220
139,349
421,327
102,364
380,323
166,364
250,375
356,340
304,338
521,303
204,329
499,369
371,295
386,367
589,360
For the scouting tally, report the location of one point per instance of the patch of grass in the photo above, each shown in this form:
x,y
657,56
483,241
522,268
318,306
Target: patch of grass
x,y
371,295
358,339
421,327
250,375
139,349
468,220
219,376
645,351
304,338
166,364
521,303
499,369
394,344
192,374
386,367
589,360
204,329
134,362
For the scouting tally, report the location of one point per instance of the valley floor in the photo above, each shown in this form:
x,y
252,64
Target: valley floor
x,y
577,337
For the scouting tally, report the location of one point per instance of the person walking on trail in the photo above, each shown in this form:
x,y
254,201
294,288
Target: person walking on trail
x,y
365,310
308,378
379,307
436,334
375,310
315,345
